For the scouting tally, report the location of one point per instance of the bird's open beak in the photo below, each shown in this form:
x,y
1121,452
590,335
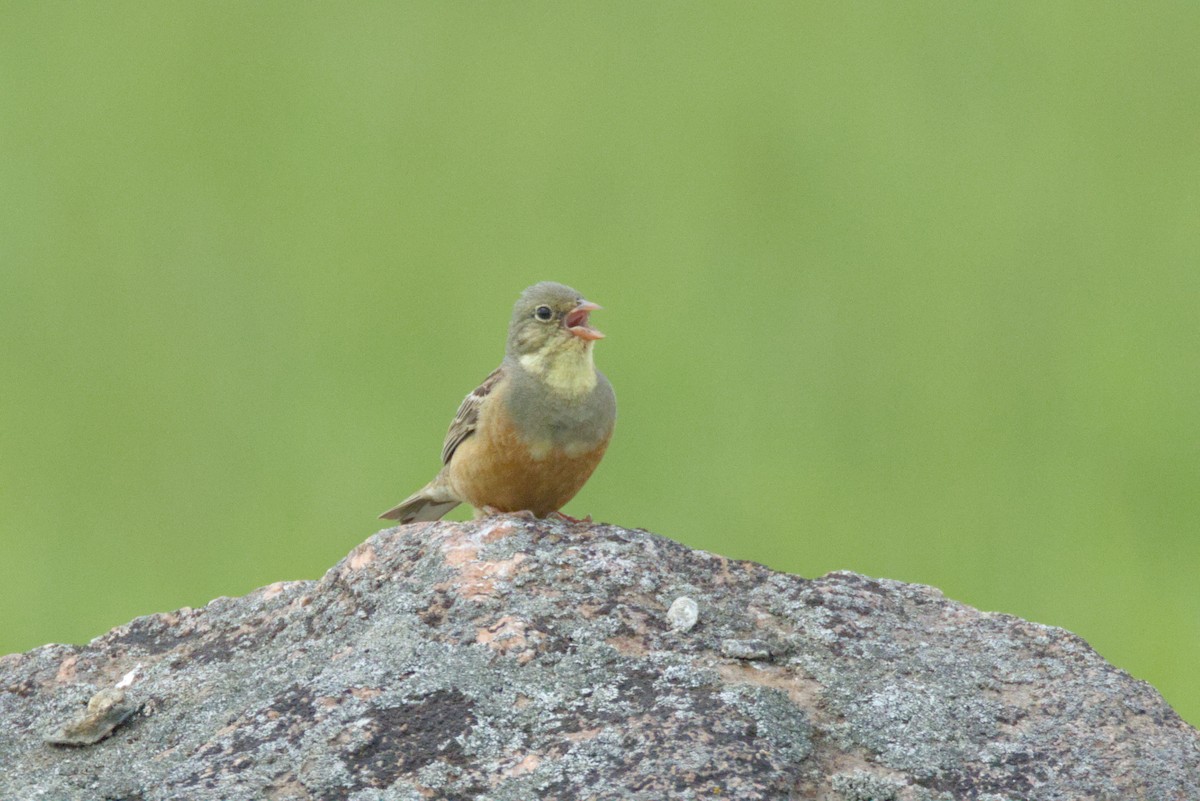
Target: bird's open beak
x,y
576,321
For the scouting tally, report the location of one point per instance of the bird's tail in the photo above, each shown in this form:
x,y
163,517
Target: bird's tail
x,y
426,504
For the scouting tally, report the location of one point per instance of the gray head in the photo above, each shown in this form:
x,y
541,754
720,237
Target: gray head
x,y
548,319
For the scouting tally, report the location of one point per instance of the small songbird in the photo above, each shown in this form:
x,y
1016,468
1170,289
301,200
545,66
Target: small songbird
x,y
531,434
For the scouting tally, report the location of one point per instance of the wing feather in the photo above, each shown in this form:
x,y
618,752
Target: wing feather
x,y
467,417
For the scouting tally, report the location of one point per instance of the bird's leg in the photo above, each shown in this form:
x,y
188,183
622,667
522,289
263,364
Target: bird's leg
x,y
569,519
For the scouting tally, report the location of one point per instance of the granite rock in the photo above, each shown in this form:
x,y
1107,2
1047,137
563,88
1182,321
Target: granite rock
x,y
509,659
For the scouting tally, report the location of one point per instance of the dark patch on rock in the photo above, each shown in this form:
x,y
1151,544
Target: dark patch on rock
x,y
406,738
506,660
146,635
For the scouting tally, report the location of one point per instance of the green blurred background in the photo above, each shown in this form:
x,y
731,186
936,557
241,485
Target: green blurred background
x,y
905,289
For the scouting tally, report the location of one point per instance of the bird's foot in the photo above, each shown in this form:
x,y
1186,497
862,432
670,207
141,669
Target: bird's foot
x,y
569,519
492,511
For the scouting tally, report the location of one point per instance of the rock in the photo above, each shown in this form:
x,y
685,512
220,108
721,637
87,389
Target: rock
x,y
683,614
745,649
509,660
106,710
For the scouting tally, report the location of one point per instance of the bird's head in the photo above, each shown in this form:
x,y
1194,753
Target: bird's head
x,y
549,331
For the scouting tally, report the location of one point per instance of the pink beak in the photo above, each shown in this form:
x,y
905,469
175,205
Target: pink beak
x,y
576,321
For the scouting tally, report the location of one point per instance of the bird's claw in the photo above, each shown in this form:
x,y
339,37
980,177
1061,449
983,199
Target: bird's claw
x,y
569,519
524,514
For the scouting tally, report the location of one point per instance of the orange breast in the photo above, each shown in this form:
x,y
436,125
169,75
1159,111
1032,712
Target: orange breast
x,y
496,467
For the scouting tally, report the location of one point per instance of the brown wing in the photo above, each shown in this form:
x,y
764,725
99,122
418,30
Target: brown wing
x,y
468,415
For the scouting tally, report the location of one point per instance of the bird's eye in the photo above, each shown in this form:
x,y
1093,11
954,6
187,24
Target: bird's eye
x,y
543,313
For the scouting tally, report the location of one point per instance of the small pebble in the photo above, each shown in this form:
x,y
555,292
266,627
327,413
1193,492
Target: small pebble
x,y
107,710
683,614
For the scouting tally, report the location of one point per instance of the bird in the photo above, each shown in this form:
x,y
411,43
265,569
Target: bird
x,y
527,439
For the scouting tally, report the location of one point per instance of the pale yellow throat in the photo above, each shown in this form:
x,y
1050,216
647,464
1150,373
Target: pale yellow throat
x,y
564,366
